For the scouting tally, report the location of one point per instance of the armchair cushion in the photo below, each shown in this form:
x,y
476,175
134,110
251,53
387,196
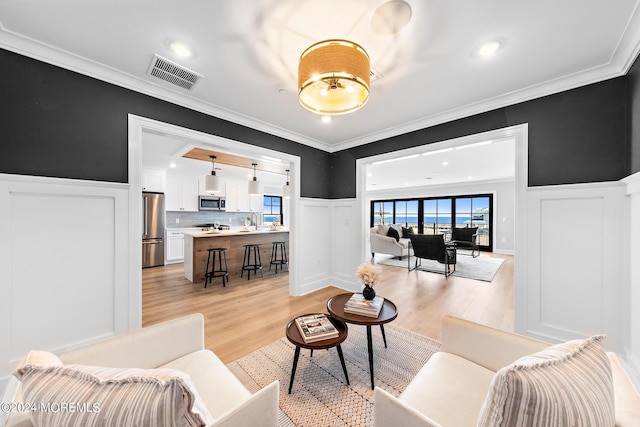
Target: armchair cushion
x,y
565,384
382,229
406,232
121,396
393,233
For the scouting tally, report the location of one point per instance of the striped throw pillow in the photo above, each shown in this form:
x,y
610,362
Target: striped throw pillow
x,y
77,395
568,384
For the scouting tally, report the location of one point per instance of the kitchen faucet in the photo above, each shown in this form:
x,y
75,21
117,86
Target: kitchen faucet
x,y
255,222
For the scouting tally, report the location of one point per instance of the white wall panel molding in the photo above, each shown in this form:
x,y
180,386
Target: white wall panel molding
x,y
63,265
347,235
632,183
330,234
576,262
314,251
631,293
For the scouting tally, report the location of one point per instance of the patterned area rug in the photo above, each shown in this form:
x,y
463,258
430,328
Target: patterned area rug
x,y
479,268
320,396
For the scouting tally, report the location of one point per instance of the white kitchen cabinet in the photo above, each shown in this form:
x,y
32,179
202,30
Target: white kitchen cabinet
x,y
153,180
174,244
175,247
182,194
237,200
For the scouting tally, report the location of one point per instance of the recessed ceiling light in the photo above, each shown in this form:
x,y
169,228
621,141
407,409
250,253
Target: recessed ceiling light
x,y
489,48
326,119
445,163
172,165
181,49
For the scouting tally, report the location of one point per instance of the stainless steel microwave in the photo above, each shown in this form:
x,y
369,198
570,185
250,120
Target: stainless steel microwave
x,y
211,203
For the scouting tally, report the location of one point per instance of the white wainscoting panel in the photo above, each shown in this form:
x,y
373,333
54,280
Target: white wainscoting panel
x,y
64,264
632,293
576,262
315,245
347,237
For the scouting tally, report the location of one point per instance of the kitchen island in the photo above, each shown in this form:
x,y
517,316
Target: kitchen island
x,y
196,244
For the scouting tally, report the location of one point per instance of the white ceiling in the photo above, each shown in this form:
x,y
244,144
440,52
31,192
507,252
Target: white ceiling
x,y
164,152
247,51
465,164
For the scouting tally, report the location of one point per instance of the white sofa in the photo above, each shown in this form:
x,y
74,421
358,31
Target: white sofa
x,y
179,344
381,243
451,389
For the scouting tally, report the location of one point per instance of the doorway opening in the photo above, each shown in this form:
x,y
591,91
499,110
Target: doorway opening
x,y
140,126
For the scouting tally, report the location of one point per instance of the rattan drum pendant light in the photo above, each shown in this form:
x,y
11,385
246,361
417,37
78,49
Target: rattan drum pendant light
x,y
333,77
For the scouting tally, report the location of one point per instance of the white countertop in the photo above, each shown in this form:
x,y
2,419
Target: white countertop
x,y
196,234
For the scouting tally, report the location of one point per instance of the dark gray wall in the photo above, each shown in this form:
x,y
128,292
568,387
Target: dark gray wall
x,y
57,123
575,136
633,82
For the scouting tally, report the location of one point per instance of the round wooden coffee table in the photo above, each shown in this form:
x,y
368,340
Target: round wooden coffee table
x,y
293,335
389,312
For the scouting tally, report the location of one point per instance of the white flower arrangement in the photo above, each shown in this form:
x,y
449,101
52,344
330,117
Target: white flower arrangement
x,y
368,273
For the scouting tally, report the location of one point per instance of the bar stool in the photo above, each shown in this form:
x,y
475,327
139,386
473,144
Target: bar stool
x,y
278,256
212,272
251,250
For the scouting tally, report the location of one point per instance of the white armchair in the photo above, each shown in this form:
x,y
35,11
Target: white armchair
x,y
453,386
179,344
381,243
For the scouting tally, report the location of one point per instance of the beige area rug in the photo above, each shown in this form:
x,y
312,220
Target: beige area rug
x,y
479,268
320,396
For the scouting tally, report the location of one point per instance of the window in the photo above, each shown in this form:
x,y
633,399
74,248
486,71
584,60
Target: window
x,y
272,209
474,212
436,216
439,214
406,213
381,213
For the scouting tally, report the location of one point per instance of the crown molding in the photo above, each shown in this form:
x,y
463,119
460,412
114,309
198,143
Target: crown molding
x,y
66,60
623,58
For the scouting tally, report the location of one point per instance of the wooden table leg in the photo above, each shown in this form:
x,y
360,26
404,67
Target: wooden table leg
x,y
295,365
370,348
344,366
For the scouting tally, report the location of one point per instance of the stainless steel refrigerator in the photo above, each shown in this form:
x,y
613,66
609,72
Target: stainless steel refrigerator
x,y
152,229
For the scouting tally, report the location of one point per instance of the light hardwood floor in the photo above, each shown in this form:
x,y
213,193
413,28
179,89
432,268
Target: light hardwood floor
x,y
249,314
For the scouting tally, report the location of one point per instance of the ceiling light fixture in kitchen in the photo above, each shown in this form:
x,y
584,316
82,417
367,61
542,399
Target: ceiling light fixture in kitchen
x,y
286,190
254,186
333,77
212,183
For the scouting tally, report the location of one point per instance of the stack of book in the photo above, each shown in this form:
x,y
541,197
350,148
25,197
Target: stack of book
x,y
316,327
363,307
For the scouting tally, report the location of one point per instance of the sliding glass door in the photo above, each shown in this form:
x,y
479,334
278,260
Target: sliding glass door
x,y
436,217
406,213
439,214
382,213
475,212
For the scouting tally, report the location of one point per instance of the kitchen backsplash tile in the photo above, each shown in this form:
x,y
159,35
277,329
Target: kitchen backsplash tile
x,y
191,219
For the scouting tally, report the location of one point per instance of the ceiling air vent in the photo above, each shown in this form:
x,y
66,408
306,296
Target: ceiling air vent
x,y
173,73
